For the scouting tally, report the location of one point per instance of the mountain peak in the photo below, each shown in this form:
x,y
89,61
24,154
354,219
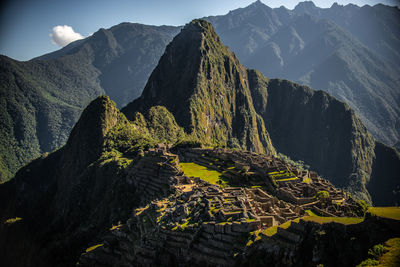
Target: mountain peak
x,y
202,83
257,3
305,7
85,143
198,24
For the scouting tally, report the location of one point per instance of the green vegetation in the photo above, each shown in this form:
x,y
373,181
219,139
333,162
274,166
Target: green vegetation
x,y
342,220
207,174
116,227
270,231
310,213
298,164
368,262
163,127
188,143
363,207
377,251
41,100
391,257
387,255
387,212
282,176
12,220
287,179
93,247
217,108
322,195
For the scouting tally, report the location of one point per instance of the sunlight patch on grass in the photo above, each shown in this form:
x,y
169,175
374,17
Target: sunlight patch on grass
x,y
93,247
342,220
270,231
13,220
310,213
207,174
387,212
287,179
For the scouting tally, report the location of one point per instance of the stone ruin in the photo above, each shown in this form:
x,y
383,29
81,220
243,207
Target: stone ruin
x,y
187,219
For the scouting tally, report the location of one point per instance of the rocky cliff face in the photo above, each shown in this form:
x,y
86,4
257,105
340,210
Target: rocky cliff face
x,y
314,127
384,185
206,88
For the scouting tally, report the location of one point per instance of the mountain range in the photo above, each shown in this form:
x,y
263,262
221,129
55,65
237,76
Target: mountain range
x,y
56,87
42,99
82,203
348,51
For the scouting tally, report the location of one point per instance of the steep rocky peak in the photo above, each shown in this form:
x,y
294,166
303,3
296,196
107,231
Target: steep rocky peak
x,y
175,79
86,140
203,84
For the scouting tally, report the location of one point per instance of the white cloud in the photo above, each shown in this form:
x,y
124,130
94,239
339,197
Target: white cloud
x,y
63,35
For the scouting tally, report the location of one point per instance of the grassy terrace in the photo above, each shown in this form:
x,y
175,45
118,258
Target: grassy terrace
x,y
93,247
342,220
207,174
282,176
387,212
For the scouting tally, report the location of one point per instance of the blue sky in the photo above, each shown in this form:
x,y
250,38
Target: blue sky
x,y
26,25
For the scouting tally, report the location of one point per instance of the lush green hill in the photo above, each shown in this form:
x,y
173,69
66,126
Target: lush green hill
x,y
42,99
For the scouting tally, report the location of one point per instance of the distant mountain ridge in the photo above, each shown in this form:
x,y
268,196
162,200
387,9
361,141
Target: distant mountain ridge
x,y
348,51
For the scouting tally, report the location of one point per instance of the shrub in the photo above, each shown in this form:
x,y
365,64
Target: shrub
x,y
362,207
377,251
368,262
233,143
186,143
322,195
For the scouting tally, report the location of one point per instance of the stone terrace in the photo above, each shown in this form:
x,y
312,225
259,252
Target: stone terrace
x,y
187,220
286,182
